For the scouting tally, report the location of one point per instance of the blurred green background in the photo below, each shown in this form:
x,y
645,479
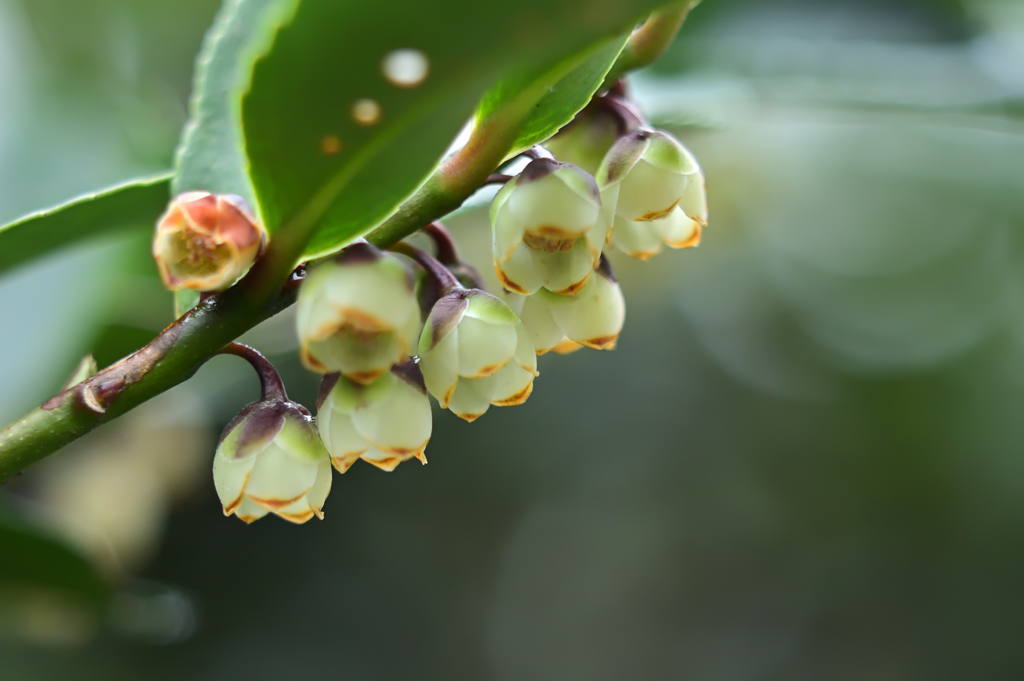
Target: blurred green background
x,y
805,460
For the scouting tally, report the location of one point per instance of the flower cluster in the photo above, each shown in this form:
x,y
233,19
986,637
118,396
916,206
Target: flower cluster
x,y
390,329
551,224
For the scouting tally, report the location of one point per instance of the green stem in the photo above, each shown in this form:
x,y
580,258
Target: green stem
x,y
458,177
174,356
648,43
271,385
443,278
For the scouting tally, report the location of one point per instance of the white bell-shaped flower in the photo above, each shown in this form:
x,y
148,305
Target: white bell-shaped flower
x,y
548,228
592,318
384,423
475,352
271,460
647,173
358,314
645,239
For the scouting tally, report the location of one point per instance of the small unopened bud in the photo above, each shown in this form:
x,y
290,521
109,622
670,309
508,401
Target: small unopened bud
x,y
592,318
384,423
647,173
206,242
358,314
645,239
270,460
586,140
548,228
475,352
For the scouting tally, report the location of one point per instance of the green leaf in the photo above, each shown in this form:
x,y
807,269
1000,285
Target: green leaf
x,y
211,154
134,204
86,368
184,301
568,96
322,178
35,556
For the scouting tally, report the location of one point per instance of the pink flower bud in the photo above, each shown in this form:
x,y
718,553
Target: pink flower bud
x,y
206,242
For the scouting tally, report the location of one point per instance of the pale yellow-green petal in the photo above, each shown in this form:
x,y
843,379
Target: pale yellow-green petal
x,y
489,308
484,347
400,422
599,235
549,202
544,333
386,461
359,357
510,386
344,396
317,494
580,182
501,198
408,335
440,368
506,233
229,478
299,438
525,354
249,511
666,152
517,272
298,512
513,300
695,200
594,317
279,477
340,437
676,229
314,318
567,271
380,291
648,192
638,239
472,398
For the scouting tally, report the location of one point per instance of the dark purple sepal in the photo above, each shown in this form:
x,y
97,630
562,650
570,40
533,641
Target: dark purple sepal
x,y
326,386
604,268
260,424
538,169
623,155
359,253
444,317
409,371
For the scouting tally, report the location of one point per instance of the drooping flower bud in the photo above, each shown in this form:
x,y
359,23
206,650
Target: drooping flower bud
x,y
647,173
586,140
548,228
384,423
475,352
271,460
646,238
358,314
592,318
206,242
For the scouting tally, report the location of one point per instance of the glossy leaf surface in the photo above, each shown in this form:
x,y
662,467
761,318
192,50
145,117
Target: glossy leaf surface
x,y
335,145
133,204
